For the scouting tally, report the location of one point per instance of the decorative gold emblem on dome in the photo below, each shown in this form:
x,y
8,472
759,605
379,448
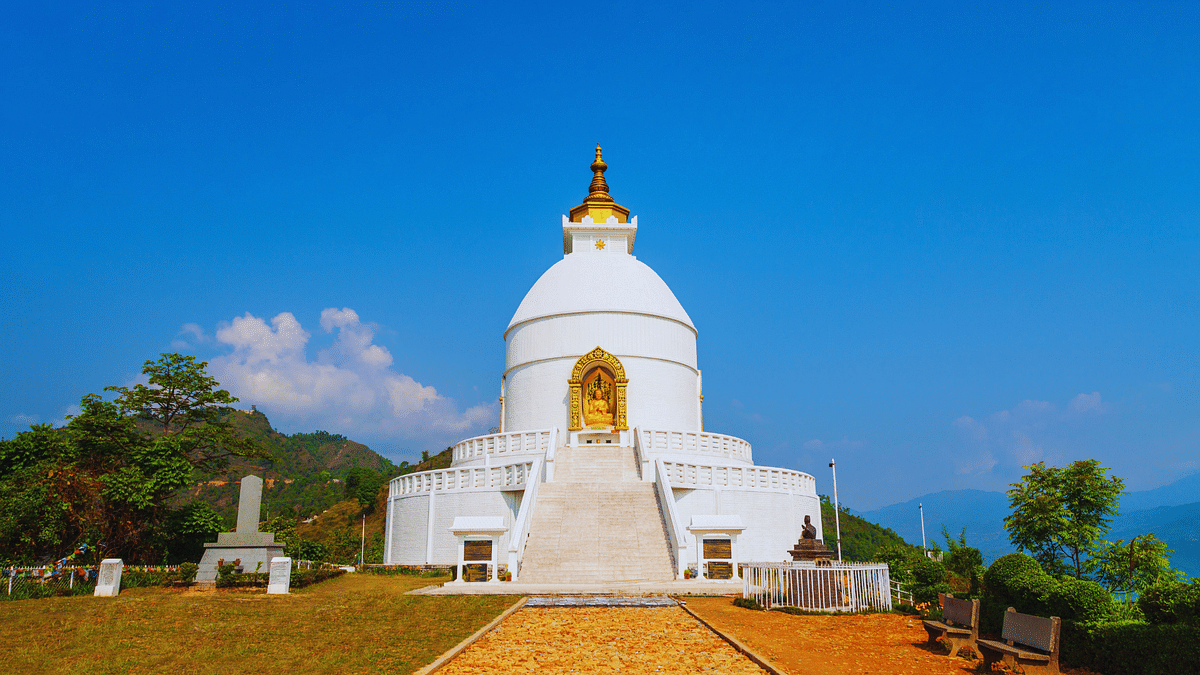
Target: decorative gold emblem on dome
x,y
598,392
598,204
600,245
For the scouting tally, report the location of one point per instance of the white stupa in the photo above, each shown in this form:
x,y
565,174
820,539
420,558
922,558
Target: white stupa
x,y
602,471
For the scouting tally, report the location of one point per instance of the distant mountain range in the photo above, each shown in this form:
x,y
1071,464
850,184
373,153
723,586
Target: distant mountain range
x,y
1171,512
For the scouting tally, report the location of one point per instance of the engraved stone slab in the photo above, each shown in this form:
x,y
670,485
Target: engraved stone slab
x,y
474,549
475,572
109,583
720,570
721,549
281,576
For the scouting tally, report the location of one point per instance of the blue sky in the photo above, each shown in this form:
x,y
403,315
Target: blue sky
x,y
934,241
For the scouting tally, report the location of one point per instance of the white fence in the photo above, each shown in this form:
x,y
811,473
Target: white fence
x,y
524,442
762,477
838,587
699,442
509,477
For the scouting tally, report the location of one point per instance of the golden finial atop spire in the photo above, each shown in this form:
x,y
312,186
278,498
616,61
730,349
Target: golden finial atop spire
x,y
598,204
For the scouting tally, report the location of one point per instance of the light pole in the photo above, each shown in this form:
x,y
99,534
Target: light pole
x,y
921,508
362,547
837,521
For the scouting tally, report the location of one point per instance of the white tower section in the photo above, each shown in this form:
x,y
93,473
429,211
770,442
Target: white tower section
x,y
600,295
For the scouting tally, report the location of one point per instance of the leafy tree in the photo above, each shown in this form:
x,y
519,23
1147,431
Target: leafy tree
x,y
1059,514
964,561
110,475
1129,569
182,402
363,484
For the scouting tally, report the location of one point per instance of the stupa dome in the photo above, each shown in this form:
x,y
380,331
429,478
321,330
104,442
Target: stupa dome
x,y
586,282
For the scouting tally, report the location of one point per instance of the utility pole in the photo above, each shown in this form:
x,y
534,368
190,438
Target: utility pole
x,y
362,548
837,520
921,508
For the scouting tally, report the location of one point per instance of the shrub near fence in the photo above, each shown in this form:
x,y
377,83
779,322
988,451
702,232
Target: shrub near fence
x,y
25,583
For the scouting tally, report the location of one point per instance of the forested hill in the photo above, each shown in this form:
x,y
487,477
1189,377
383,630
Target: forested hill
x,y
307,474
861,539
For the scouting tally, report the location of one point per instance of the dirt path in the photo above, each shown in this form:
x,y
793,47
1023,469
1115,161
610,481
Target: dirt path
x,y
601,640
832,645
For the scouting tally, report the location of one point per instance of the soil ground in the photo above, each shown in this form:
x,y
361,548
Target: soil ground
x,y
879,644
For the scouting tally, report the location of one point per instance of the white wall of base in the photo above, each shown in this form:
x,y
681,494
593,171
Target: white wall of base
x,y
774,520
415,540
660,394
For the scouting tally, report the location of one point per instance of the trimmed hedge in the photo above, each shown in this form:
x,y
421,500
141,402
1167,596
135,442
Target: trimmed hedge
x,y
1132,647
1017,581
1171,602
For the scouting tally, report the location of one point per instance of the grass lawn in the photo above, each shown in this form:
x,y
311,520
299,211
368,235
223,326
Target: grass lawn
x,y
357,623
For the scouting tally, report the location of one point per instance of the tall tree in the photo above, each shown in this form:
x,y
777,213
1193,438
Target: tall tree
x,y
111,473
1060,513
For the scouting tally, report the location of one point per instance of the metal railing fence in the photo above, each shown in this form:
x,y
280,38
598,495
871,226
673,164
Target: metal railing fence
x,y
837,587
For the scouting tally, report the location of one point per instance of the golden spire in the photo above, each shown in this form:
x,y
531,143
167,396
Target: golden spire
x,y
598,204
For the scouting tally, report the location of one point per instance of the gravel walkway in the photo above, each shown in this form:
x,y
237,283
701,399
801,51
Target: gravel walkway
x,y
600,640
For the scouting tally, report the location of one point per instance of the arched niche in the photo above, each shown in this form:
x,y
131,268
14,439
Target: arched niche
x,y
598,376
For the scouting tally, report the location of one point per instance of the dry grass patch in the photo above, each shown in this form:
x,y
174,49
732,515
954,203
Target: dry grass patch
x,y
358,623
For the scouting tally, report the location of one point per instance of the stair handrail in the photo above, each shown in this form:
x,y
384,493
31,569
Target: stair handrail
x,y
520,529
674,529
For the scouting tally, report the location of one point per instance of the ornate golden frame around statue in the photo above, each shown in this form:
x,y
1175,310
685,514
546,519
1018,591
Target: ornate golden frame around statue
x,y
584,369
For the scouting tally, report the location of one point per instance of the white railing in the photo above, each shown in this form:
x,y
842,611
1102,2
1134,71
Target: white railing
x,y
753,477
675,529
837,587
698,442
901,595
508,477
522,442
516,542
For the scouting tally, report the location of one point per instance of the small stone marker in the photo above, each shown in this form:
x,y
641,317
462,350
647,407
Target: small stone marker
x,y
109,583
281,576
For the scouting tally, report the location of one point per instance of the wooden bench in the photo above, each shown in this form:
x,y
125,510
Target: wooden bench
x,y
959,626
1031,641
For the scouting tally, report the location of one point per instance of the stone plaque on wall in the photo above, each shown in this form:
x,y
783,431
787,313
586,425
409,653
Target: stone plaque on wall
x,y
475,549
720,570
475,572
721,549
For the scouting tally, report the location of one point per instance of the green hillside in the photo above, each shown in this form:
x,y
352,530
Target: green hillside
x,y
861,539
305,476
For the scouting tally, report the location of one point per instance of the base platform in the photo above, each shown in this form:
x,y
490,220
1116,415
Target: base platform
x,y
623,588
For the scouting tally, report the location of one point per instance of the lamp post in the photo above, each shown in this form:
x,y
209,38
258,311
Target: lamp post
x,y
921,508
362,547
837,521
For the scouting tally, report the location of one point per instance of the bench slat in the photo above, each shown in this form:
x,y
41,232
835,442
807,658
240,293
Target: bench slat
x,y
958,611
1033,631
1014,650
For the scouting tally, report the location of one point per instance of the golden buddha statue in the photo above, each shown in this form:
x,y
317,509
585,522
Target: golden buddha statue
x,y
597,412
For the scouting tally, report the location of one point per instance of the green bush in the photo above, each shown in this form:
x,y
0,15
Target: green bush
x,y
1132,648
748,603
1079,600
187,572
928,572
1015,580
1171,602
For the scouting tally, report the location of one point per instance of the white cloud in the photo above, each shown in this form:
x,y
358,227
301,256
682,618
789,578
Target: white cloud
x,y
22,418
1087,403
190,335
814,444
980,463
350,387
968,424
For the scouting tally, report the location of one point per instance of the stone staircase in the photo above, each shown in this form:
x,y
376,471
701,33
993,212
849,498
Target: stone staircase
x,y
596,523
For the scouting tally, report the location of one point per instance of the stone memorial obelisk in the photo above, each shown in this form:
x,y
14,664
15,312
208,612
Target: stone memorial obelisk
x,y
247,543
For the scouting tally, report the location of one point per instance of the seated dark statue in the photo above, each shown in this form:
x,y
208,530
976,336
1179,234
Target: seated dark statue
x,y
809,547
810,531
